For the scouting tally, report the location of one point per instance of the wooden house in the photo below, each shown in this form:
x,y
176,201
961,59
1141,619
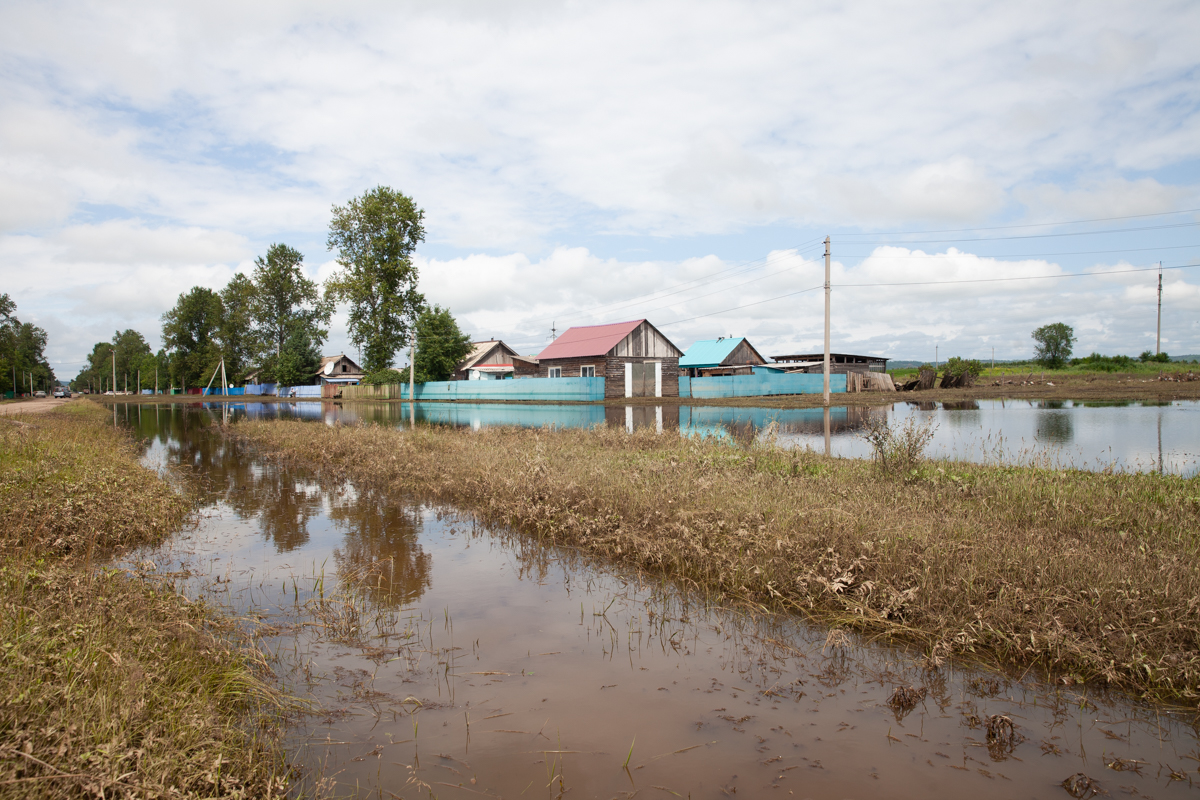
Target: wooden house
x,y
494,360
339,369
634,359
725,356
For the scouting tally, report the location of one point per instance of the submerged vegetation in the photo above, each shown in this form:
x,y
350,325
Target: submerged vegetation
x,y
113,687
1093,577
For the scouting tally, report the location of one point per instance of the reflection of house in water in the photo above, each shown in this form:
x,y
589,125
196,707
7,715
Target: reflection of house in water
x,y
631,418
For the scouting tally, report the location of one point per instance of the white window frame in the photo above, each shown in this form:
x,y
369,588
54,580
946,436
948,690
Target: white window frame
x,y
583,369
553,372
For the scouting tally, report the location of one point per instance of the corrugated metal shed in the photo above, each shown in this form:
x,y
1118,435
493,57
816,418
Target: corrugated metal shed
x,y
588,340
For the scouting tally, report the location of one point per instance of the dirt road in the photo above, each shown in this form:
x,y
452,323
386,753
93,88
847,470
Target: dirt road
x,y
36,406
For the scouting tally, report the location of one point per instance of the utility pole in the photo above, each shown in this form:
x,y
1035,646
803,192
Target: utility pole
x,y
139,386
827,322
1158,333
993,359
156,378
114,384
412,369
935,358
224,383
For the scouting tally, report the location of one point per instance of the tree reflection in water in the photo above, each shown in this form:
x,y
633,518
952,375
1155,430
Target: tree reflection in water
x,y
381,541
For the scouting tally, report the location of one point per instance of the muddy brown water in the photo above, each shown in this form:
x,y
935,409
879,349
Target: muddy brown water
x,y
448,659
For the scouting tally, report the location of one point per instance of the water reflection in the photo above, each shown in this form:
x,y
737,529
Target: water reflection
x,y
451,660
286,506
1120,435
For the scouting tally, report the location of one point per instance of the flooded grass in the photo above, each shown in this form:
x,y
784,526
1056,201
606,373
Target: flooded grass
x,y
1090,577
112,686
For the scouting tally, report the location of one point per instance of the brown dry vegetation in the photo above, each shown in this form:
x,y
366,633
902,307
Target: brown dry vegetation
x,y
1091,576
112,687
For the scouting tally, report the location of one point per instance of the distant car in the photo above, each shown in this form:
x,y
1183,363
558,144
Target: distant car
x,y
110,392
61,392
39,393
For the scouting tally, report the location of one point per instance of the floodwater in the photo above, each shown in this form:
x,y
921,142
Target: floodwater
x,y
448,659
1094,436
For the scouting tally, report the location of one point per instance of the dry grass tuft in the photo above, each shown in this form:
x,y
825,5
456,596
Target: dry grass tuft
x,y
1091,576
113,687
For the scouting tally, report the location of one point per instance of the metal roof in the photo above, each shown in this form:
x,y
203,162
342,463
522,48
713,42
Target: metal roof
x,y
840,358
588,340
709,352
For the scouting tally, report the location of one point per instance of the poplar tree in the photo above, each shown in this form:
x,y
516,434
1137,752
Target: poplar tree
x,y
375,236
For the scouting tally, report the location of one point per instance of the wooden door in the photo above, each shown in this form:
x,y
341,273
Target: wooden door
x,y
639,379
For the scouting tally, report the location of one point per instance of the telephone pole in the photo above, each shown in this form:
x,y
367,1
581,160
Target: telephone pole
x,y
412,370
114,383
1158,333
827,322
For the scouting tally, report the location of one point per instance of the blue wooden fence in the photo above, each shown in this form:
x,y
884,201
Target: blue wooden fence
x,y
538,389
759,385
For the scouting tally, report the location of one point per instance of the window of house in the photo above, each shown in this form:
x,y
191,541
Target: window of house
x,y
344,368
554,372
587,372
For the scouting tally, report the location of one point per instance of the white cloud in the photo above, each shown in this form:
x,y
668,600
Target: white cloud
x,y
146,145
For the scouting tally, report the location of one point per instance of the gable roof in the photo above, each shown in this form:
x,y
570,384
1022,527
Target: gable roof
x,y
480,350
709,352
588,340
327,360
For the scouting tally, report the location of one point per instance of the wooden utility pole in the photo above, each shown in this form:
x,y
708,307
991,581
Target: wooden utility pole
x,y
1158,333
114,385
826,321
412,369
156,378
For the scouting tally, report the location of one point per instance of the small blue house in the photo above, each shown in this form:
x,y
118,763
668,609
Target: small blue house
x,y
725,356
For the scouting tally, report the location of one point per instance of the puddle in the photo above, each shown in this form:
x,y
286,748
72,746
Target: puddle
x,y
451,660
1133,436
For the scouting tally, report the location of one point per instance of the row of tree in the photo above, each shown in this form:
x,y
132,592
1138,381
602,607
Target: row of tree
x,y
23,365
270,326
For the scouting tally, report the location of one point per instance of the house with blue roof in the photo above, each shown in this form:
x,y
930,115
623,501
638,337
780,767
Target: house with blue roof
x,y
728,355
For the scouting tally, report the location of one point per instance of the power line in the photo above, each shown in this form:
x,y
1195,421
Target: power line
x,y
1028,225
658,294
1018,278
1035,235
745,305
1022,255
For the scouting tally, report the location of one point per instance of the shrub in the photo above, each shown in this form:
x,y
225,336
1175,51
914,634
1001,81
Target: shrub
x,y
898,448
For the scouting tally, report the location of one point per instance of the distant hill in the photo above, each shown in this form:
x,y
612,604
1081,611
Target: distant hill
x,y
1192,357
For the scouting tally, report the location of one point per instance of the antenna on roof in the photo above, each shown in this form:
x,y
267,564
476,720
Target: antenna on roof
x,y
553,331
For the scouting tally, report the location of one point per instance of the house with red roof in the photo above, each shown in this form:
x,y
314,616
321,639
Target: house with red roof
x,y
633,357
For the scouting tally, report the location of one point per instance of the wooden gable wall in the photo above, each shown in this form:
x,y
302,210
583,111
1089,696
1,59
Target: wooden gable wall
x,y
645,341
743,354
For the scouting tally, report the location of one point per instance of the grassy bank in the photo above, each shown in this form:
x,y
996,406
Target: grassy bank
x,y
110,686
1091,576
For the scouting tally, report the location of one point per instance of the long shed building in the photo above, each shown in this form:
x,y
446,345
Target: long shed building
x,y
633,357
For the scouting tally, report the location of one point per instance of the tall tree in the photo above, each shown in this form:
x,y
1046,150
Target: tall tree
x,y
190,332
375,236
1054,343
22,352
131,349
236,332
440,345
285,301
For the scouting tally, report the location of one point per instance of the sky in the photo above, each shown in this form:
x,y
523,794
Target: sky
x,y
981,169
